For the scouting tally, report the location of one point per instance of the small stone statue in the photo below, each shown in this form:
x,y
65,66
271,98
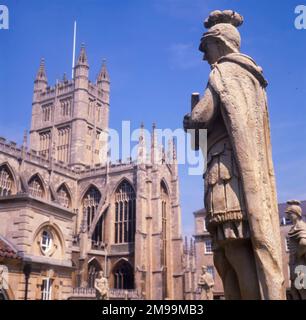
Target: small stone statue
x,y
101,286
240,191
297,245
206,283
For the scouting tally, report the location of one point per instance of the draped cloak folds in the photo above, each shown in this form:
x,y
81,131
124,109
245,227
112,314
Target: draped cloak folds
x,y
240,85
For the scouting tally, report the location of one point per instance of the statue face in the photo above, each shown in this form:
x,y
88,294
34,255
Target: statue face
x,y
213,50
100,274
293,217
204,269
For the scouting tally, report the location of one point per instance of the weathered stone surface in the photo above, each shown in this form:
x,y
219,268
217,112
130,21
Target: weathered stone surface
x,y
101,286
206,283
240,191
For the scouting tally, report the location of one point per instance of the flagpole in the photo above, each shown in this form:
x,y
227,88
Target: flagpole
x,y
73,50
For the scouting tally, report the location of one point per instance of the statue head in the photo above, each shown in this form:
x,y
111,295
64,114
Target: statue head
x,y
294,210
223,37
204,269
101,274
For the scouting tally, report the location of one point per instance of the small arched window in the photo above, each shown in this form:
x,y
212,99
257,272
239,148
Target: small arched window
x,y
93,270
36,188
91,202
123,276
6,182
63,196
46,241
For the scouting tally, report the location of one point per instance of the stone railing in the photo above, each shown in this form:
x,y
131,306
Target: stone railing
x,y
114,294
124,294
89,293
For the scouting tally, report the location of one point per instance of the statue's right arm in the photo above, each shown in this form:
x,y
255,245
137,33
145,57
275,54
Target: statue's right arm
x,y
205,110
302,248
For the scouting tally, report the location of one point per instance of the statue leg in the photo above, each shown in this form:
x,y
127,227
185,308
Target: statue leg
x,y
227,274
240,255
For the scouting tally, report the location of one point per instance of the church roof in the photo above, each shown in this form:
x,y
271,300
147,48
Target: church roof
x,y
7,250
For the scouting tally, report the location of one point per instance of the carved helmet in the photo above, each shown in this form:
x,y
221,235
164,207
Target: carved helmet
x,y
294,206
223,25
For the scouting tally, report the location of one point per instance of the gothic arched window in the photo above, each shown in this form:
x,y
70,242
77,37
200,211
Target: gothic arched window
x,y
123,276
91,202
36,188
125,213
63,196
164,216
93,270
97,237
6,182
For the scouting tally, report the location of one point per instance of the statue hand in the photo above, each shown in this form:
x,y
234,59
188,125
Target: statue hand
x,y
187,123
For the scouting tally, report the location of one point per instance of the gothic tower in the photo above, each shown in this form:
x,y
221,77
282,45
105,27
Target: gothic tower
x,y
72,116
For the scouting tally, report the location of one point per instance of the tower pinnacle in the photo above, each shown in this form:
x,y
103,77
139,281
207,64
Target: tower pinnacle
x,y
41,74
82,60
103,74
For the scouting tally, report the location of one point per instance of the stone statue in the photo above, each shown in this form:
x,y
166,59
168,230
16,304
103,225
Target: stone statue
x,y
206,283
240,193
297,245
101,286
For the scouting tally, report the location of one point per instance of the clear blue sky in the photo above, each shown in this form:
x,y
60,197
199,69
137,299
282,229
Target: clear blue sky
x,y
152,51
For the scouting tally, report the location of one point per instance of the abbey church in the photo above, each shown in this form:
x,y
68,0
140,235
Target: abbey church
x,y
67,212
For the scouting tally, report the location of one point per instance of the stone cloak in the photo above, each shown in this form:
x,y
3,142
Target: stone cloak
x,y
239,83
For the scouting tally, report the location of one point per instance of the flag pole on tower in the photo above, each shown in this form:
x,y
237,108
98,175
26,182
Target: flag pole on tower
x,y
73,50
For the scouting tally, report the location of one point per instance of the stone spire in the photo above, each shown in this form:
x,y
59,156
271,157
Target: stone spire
x,y
103,74
174,150
82,60
103,79
142,151
81,69
170,157
41,74
186,245
25,139
191,247
154,146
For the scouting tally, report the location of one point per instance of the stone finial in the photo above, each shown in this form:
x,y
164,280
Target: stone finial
x,y
41,74
186,244
142,151
25,139
82,60
103,74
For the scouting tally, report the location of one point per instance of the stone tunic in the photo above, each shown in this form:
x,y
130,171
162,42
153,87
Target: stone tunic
x,y
226,217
